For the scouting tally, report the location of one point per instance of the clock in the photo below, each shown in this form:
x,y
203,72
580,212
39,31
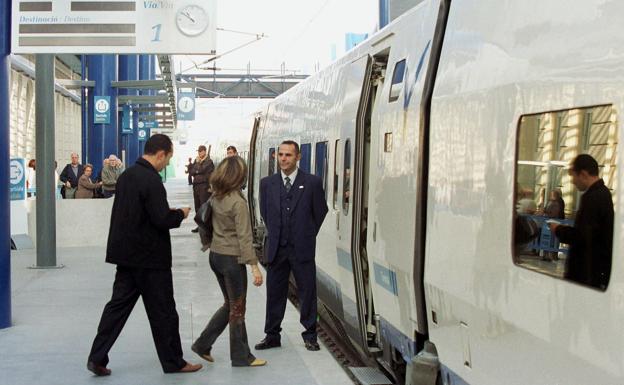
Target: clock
x,y
192,20
186,104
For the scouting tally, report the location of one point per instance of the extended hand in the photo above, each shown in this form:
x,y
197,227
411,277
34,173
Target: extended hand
x,y
257,275
186,211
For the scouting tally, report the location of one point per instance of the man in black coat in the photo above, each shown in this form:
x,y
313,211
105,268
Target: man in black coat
x,y
140,245
293,207
591,238
71,174
201,170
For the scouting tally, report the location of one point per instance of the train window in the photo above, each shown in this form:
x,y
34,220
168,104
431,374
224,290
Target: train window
x,y
565,182
346,177
306,154
397,81
336,149
271,161
320,163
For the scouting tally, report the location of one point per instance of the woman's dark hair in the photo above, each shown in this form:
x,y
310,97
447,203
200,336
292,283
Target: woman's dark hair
x,y
231,148
32,164
157,143
229,176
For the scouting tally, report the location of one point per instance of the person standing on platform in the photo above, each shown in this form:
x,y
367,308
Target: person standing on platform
x,y
591,237
69,176
113,167
293,207
86,188
201,170
230,250
231,151
140,245
189,167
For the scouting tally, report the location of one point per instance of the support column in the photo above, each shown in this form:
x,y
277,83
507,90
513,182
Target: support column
x,y
84,111
129,70
44,136
102,137
5,220
145,73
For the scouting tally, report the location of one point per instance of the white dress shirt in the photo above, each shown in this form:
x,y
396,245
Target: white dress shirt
x,y
292,177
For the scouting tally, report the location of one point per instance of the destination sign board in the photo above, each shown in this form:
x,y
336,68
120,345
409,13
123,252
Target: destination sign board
x,y
112,26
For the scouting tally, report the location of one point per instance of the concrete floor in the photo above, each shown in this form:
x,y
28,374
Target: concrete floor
x,y
56,313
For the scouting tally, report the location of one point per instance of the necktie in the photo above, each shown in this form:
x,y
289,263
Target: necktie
x,y
288,185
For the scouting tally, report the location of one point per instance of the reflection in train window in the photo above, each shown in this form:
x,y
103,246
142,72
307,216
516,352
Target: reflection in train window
x,y
320,163
565,181
346,178
271,161
336,149
306,157
397,81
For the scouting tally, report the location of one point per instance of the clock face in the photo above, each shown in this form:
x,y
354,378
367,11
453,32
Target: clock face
x,y
192,20
186,104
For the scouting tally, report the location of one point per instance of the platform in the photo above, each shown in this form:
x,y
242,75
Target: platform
x,y
56,312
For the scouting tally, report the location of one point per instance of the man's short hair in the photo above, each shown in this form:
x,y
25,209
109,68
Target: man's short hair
x,y
231,148
585,162
157,143
292,143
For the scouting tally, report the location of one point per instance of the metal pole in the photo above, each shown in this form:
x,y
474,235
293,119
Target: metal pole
x,y
5,220
46,202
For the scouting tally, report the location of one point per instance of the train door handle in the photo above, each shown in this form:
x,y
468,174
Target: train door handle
x,y
337,220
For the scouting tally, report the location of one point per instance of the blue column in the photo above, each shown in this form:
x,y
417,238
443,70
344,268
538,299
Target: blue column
x,y
5,219
384,17
129,70
145,73
84,111
102,138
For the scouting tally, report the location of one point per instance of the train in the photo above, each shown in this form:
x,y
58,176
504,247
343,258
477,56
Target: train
x,y
423,136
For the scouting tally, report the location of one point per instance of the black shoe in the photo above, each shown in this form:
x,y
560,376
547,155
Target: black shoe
x,y
195,230
98,370
312,346
268,344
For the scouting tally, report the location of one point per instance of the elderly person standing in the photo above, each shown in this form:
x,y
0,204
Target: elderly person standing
x,y
231,249
111,171
201,170
86,188
70,175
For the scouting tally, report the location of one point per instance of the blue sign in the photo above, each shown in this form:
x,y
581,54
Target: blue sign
x,y
126,120
17,179
101,109
186,105
142,133
148,124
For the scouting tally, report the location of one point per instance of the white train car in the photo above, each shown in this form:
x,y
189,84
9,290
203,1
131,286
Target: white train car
x,y
422,135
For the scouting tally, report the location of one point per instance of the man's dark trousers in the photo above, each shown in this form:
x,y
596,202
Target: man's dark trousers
x,y
155,286
200,194
278,273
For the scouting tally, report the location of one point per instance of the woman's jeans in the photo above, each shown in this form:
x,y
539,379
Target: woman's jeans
x,y
232,278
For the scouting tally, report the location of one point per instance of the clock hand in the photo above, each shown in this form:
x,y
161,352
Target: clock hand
x,y
185,13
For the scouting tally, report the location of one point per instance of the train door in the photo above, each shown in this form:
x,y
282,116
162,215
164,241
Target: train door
x,y
352,169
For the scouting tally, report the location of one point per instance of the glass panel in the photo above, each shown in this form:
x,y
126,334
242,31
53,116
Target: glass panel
x,y
336,149
271,161
346,178
397,81
574,201
306,157
320,163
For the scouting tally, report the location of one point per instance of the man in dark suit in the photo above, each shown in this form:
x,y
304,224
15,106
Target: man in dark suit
x,y
293,207
140,245
71,174
591,238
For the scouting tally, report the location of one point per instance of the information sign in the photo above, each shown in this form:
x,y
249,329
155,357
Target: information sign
x,y
104,26
17,179
186,106
126,121
142,133
101,109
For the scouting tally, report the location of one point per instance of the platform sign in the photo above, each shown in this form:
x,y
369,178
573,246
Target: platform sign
x,y
101,109
186,105
105,26
126,120
17,181
148,124
142,134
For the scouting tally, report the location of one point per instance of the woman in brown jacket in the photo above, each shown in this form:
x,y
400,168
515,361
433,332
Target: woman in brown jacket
x,y
86,188
231,249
